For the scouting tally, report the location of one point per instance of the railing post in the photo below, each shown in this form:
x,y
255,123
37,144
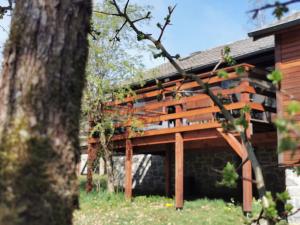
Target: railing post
x,y
128,170
128,161
179,163
247,168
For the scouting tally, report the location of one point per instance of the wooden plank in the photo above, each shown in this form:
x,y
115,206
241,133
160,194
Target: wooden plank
x,y
171,130
179,171
188,85
233,142
202,75
156,105
247,185
128,170
196,112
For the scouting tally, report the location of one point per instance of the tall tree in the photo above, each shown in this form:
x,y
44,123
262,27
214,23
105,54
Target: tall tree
x,y
40,94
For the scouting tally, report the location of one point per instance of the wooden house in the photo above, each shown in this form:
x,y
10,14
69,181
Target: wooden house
x,y
175,127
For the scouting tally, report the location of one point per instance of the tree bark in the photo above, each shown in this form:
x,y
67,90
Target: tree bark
x,y
110,171
40,96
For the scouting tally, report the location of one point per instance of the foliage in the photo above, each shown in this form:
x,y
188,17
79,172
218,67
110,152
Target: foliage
x,y
240,70
227,57
275,76
222,74
288,128
229,177
242,122
279,10
111,70
112,67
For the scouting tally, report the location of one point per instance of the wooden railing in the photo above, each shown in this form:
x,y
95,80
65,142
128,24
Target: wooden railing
x,y
194,110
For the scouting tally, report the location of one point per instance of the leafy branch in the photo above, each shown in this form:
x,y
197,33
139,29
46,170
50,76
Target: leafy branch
x,y
280,8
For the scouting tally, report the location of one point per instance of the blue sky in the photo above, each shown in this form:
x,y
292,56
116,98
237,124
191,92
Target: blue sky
x,y
203,24
197,24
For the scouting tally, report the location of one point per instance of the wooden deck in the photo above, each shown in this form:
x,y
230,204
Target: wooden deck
x,y
191,121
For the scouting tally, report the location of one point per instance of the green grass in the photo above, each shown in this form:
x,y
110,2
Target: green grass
x,y
104,208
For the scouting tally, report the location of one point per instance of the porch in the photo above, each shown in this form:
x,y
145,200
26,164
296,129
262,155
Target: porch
x,y
177,117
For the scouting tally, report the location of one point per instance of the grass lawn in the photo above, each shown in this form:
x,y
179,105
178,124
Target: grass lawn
x,y
103,208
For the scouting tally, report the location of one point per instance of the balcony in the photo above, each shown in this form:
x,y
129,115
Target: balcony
x,y
181,106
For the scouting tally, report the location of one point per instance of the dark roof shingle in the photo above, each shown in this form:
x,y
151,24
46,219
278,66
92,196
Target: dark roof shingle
x,y
200,59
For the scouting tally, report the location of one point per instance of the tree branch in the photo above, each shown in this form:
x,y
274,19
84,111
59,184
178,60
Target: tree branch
x,y
269,6
167,22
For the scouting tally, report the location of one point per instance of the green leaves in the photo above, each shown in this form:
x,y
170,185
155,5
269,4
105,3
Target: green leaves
x,y
227,58
242,120
271,211
240,70
275,76
140,37
230,176
280,10
222,74
283,196
287,126
293,108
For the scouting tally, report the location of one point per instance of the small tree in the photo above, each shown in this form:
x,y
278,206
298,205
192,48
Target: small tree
x,y
111,70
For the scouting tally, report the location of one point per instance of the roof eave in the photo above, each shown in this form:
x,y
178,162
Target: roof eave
x,y
273,29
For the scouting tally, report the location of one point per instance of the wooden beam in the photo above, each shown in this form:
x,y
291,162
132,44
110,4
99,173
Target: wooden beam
x,y
240,88
170,130
185,86
247,185
179,171
202,75
179,162
128,170
196,112
233,142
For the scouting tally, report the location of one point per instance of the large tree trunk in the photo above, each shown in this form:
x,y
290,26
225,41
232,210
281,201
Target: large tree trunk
x,y
40,95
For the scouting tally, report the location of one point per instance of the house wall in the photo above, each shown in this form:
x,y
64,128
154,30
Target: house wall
x,y
287,54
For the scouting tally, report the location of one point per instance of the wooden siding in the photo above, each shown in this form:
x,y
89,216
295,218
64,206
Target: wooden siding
x,y
287,52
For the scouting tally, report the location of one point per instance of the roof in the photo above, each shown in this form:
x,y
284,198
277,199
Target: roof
x,y
285,22
198,60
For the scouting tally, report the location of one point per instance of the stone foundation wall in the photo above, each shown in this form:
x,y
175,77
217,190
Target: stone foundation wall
x,y
147,172
200,173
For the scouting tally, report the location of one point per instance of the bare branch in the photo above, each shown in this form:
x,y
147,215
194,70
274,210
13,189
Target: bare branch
x,y
167,22
107,13
143,18
116,37
126,6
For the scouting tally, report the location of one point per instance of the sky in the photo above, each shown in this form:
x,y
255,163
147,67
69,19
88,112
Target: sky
x,y
197,25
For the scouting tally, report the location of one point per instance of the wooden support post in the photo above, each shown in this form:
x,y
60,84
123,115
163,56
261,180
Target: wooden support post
x,y
247,185
247,168
179,164
167,165
179,173
128,170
